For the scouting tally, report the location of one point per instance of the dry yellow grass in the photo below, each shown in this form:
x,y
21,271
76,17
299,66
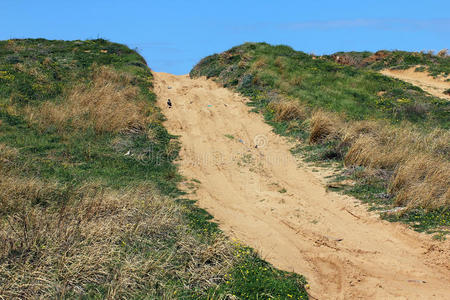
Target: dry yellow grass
x,y
13,46
17,194
281,63
286,110
7,153
260,63
438,142
296,80
384,146
109,104
117,240
323,126
351,131
33,71
368,151
418,161
423,180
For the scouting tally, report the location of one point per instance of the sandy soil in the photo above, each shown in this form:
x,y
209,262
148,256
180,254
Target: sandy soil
x,y
267,199
434,86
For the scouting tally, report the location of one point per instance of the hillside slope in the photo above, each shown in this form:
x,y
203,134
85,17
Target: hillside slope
x,y
89,204
257,68
252,185
391,136
428,71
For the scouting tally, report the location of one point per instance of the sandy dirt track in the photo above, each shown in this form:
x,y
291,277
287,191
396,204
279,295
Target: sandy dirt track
x,y
265,198
434,86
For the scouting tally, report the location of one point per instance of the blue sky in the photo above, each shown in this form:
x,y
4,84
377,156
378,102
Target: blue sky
x,y
174,35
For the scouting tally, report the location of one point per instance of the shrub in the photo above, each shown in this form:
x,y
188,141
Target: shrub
x,y
443,53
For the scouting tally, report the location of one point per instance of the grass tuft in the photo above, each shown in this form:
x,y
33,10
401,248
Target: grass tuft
x,y
422,181
324,126
287,110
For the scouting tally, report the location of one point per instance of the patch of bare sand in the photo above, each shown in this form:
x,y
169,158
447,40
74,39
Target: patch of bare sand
x,y
261,197
434,86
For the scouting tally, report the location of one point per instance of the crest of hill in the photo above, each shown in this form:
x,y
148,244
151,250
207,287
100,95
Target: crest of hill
x,y
434,64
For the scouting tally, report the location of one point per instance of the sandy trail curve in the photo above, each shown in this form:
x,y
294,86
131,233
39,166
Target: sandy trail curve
x,y
435,86
263,198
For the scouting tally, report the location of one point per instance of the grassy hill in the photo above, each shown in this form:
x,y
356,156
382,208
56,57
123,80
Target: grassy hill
x,y
392,137
89,205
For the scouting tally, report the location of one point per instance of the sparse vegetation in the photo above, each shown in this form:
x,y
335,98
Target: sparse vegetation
x,y
438,64
393,131
89,205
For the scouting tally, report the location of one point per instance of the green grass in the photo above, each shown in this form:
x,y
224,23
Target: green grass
x,y
254,276
429,222
34,71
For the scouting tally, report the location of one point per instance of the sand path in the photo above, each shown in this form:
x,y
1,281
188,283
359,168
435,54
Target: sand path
x,y
262,197
435,86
